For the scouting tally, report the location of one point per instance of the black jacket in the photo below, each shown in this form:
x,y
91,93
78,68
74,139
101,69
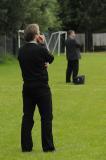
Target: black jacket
x,y
72,49
32,58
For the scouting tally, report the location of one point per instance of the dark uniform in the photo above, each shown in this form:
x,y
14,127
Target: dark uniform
x,y
73,56
36,91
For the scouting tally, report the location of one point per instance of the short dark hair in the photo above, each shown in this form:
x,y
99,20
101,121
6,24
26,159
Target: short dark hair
x,y
30,32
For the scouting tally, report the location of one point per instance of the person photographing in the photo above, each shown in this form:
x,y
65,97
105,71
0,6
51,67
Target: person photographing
x,y
73,56
33,59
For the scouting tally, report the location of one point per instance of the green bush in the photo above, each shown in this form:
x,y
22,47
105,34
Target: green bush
x,y
6,58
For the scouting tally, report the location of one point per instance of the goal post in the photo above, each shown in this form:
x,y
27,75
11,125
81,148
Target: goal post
x,y
53,42
19,37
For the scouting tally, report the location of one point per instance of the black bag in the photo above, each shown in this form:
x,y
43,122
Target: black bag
x,y
79,79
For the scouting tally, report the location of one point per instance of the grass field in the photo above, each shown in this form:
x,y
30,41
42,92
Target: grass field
x,y
79,124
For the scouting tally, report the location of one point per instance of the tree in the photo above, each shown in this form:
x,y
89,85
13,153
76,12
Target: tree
x,y
83,16
3,12
17,13
44,13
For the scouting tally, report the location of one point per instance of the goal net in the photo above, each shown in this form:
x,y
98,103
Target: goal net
x,y
55,42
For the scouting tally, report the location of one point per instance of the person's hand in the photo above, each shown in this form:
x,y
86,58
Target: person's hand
x,y
46,65
41,39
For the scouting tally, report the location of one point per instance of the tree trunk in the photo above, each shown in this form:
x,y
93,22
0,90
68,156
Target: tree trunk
x,y
88,41
14,39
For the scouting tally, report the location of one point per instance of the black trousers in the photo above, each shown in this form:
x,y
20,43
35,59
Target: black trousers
x,y
72,70
43,99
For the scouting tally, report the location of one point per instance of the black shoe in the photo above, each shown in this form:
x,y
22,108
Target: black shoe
x,y
49,150
68,81
26,150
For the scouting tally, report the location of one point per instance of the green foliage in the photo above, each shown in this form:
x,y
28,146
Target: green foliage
x,y
83,15
44,13
17,13
79,112
6,58
12,14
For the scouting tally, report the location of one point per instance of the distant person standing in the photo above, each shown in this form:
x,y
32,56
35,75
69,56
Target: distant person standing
x,y
33,59
73,56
